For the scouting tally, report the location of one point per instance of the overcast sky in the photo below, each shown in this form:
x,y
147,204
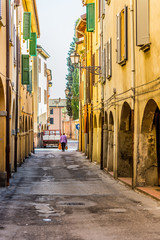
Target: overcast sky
x,y
57,19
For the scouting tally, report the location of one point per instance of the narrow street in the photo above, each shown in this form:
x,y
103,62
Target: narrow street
x,y
56,195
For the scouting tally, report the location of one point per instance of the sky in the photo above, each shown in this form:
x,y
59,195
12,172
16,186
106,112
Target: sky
x,y
57,20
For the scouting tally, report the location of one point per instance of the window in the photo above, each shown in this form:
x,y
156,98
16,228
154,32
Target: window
x,y
0,10
45,96
109,59
51,120
142,22
122,36
39,95
39,65
51,111
45,69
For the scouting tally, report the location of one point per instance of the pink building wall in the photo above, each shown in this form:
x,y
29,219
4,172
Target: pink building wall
x,y
58,118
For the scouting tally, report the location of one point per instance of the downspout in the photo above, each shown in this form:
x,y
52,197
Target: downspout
x,y
7,94
133,88
102,92
17,91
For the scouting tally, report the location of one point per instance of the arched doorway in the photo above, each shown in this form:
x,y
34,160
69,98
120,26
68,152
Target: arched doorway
x,y
13,136
94,154
26,137
2,135
125,160
105,140
110,143
90,136
149,161
99,140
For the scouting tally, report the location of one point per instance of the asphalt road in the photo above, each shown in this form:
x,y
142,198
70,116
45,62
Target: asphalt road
x,y
62,196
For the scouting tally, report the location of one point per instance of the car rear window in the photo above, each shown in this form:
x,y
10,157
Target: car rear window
x,y
57,132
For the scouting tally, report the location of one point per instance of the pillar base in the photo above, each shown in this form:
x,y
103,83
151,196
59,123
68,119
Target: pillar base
x,y
3,179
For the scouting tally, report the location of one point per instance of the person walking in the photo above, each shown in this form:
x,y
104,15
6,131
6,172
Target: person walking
x,y
63,141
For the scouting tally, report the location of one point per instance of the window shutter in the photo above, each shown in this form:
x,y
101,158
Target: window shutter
x,y
14,43
33,45
39,65
104,65
29,87
142,22
19,55
118,37
26,25
90,17
0,9
125,33
99,12
25,70
104,7
9,20
110,57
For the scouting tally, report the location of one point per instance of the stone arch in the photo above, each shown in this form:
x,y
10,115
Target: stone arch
x,y
90,135
2,97
13,134
26,122
95,121
105,140
149,147
100,121
94,151
23,124
125,161
29,124
2,128
110,142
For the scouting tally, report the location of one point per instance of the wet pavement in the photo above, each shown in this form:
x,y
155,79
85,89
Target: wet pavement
x,y
62,196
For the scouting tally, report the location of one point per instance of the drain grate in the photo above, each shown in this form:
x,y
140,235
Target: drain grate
x,y
71,204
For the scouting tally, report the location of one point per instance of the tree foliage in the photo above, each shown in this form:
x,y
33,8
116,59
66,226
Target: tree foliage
x,y
72,84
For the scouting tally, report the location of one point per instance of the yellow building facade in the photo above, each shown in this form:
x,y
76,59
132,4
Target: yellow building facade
x,y
16,101
123,113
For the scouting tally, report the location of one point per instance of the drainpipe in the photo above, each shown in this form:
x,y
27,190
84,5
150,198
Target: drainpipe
x,y
17,90
102,92
133,87
7,94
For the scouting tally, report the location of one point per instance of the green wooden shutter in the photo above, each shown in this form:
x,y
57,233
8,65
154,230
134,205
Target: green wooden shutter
x,y
33,45
25,70
29,87
90,17
26,25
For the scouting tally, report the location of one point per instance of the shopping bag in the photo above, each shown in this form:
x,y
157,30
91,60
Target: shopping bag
x,y
59,147
66,147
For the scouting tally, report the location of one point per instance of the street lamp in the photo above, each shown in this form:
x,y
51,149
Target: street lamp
x,y
75,60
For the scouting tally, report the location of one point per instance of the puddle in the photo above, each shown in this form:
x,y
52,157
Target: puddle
x,y
47,220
